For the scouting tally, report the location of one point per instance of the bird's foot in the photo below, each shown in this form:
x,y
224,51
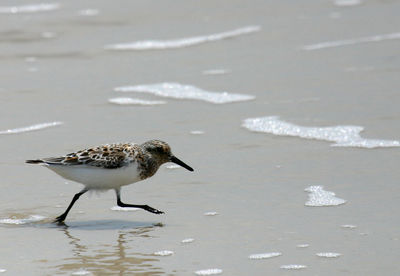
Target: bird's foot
x,y
59,220
152,210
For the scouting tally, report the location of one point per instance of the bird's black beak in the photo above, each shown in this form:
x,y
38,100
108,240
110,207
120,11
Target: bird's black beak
x,y
180,163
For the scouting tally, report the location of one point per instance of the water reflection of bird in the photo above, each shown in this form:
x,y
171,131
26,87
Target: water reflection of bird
x,y
107,259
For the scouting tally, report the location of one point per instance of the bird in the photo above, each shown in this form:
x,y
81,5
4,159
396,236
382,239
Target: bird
x,y
111,166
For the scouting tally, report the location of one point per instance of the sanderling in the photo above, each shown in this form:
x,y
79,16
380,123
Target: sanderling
x,y
111,167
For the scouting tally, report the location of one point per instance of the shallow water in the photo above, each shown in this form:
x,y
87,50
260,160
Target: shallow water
x,y
313,64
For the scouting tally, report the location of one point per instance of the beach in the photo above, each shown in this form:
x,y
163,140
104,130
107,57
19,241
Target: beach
x,y
288,113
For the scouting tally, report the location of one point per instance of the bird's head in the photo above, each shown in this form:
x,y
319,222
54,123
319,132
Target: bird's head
x,y
161,151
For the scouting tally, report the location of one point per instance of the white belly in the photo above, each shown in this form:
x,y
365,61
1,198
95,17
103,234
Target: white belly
x,y
99,178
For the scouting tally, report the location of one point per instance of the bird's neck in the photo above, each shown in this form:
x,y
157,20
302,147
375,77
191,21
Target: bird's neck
x,y
149,168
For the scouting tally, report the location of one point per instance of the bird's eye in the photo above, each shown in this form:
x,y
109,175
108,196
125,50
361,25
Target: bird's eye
x,y
159,150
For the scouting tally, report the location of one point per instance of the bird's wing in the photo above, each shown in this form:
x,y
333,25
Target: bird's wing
x,y
106,156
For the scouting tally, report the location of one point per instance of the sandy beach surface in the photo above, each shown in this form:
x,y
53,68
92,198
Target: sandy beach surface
x,y
287,110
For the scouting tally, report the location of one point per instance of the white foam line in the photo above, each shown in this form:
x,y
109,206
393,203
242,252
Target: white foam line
x,y
347,3
41,7
133,101
264,255
293,266
318,197
197,132
30,128
188,240
339,43
164,253
216,72
343,136
211,271
328,255
304,245
30,219
211,214
349,226
183,42
183,91
88,12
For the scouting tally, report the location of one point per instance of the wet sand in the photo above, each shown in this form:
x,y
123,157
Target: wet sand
x,y
54,67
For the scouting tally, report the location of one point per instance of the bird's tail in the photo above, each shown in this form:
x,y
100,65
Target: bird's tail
x,y
37,161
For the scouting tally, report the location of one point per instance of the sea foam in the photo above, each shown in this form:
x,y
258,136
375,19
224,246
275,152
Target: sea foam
x,y
343,136
348,226
30,128
264,255
304,245
211,271
319,197
328,255
293,266
353,41
164,253
210,214
16,221
41,7
133,101
88,12
197,132
181,91
182,42
216,72
188,240
347,3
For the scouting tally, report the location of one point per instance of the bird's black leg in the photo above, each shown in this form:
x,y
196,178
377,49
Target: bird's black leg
x,y
61,218
144,207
